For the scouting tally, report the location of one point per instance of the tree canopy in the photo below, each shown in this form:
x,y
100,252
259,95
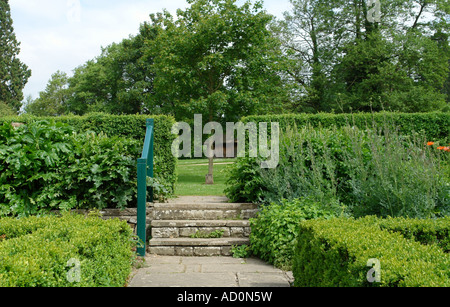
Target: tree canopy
x,y
216,59
225,61
348,61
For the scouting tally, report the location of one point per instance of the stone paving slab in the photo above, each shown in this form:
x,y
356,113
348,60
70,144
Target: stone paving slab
x,y
176,271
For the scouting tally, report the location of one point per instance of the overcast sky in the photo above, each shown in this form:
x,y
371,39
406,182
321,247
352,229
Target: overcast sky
x,y
63,34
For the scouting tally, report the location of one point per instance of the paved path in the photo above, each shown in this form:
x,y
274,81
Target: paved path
x,y
176,271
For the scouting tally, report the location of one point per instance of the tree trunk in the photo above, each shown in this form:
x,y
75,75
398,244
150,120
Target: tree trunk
x,y
209,178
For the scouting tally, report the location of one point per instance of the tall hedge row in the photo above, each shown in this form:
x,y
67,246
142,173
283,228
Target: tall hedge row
x,y
128,126
435,125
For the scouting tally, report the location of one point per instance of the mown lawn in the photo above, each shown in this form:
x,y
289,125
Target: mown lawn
x,y
191,177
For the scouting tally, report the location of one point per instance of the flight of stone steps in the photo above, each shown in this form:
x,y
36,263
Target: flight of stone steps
x,y
199,226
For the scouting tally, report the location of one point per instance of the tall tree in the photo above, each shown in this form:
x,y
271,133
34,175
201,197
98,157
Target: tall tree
x,y
353,62
394,64
217,59
52,101
311,34
119,81
13,73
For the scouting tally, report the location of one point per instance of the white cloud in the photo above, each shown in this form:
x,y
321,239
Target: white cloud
x,y
63,34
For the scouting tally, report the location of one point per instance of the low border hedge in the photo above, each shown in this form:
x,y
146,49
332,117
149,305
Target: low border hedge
x,y
336,252
424,231
37,251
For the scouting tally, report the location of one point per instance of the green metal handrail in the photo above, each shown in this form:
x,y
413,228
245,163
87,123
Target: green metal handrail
x,y
144,170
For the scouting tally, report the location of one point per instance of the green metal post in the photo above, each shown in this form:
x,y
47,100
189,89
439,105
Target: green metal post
x,y
144,169
150,158
141,205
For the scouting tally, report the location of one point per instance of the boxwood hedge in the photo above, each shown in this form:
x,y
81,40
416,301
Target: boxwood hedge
x,y
336,253
46,251
424,231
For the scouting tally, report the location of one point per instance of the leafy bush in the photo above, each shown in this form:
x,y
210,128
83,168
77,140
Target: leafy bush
x,y
42,252
336,253
373,171
123,126
31,160
244,183
101,173
310,165
47,166
275,229
400,177
241,251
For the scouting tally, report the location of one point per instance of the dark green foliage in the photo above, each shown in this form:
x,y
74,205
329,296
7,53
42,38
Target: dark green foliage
x,y
435,125
52,101
217,58
275,229
125,126
36,251
336,252
244,182
48,166
425,231
13,73
102,172
119,81
342,62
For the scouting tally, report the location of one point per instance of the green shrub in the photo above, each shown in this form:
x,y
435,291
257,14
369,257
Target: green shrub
x,y
310,164
41,252
244,183
275,229
336,253
101,173
46,166
6,110
373,171
400,176
123,126
424,231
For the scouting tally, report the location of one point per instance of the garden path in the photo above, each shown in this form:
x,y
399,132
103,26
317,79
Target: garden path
x,y
211,271
178,271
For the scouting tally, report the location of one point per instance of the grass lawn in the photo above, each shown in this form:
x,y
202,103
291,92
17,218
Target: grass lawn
x,y
191,177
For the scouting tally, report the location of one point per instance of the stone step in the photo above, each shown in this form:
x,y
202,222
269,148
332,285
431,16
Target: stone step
x,y
194,247
198,228
204,211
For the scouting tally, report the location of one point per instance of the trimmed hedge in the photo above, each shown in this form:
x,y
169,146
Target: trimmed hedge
x,y
336,252
127,126
435,125
424,231
43,252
